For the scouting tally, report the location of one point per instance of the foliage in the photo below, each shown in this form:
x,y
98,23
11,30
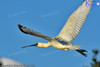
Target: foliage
x,y
95,61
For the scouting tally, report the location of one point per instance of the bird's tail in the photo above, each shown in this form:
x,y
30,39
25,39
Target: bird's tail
x,y
81,51
74,47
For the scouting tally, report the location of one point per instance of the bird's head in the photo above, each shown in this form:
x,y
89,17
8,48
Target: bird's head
x,y
39,44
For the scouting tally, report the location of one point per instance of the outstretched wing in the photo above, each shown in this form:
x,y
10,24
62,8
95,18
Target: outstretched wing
x,y
31,32
75,22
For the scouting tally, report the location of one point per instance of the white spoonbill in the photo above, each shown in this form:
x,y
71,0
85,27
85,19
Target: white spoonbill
x,y
67,34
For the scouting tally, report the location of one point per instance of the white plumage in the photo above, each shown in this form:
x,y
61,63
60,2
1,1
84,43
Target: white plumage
x,y
75,22
68,33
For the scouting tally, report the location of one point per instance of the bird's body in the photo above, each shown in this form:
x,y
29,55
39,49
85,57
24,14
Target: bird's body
x,y
67,34
58,44
61,44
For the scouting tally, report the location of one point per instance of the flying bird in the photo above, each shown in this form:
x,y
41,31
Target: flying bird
x,y
67,34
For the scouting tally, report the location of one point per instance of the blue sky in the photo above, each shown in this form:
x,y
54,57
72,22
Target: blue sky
x,y
47,17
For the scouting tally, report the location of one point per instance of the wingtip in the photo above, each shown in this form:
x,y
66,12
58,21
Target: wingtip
x,y
20,27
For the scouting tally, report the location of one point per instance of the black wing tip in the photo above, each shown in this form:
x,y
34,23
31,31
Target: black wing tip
x,y
20,27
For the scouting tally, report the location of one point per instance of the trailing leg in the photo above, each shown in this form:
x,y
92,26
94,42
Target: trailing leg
x,y
81,51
